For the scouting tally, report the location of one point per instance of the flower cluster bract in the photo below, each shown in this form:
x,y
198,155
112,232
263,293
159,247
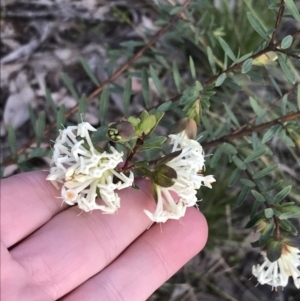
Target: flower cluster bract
x,y
173,201
86,172
278,272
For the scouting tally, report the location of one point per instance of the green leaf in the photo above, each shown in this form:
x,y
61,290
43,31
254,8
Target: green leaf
x,y
192,68
247,183
220,79
167,158
39,128
265,171
61,117
269,212
257,26
276,86
298,96
291,6
207,126
274,250
145,87
284,104
68,82
274,186
238,163
227,49
12,140
130,45
81,108
211,60
242,196
164,106
51,102
254,220
254,208
257,154
288,226
289,215
153,142
175,10
147,124
282,194
89,71
104,102
289,73
255,107
32,116
270,133
127,95
216,157
39,153
176,77
290,212
229,149
157,82
158,116
164,176
244,57
286,42
259,197
247,65
255,76
231,115
100,135
234,176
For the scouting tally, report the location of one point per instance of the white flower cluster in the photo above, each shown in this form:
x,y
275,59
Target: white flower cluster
x,y
173,201
86,172
278,272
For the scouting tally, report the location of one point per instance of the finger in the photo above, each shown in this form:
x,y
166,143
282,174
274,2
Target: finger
x,y
152,259
15,282
27,202
69,249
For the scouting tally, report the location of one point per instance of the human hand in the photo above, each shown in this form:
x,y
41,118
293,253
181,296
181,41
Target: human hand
x,y
49,251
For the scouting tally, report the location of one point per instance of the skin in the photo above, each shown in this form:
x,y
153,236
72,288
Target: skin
x,y
54,252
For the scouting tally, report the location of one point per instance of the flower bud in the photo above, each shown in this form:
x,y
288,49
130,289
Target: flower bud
x,y
120,131
260,226
186,127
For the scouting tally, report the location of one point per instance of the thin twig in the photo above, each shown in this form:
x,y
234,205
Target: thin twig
x,y
272,47
124,67
252,120
293,55
248,131
277,22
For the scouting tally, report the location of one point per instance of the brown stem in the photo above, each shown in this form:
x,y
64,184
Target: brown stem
x,y
248,131
293,55
277,22
252,120
159,34
271,47
139,143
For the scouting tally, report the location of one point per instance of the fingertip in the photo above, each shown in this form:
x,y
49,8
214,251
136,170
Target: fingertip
x,y
196,222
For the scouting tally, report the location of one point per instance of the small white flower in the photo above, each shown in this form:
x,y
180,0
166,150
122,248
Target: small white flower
x,y
278,272
85,172
173,201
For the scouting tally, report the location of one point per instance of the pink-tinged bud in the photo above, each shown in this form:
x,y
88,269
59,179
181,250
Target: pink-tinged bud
x,y
186,127
120,131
